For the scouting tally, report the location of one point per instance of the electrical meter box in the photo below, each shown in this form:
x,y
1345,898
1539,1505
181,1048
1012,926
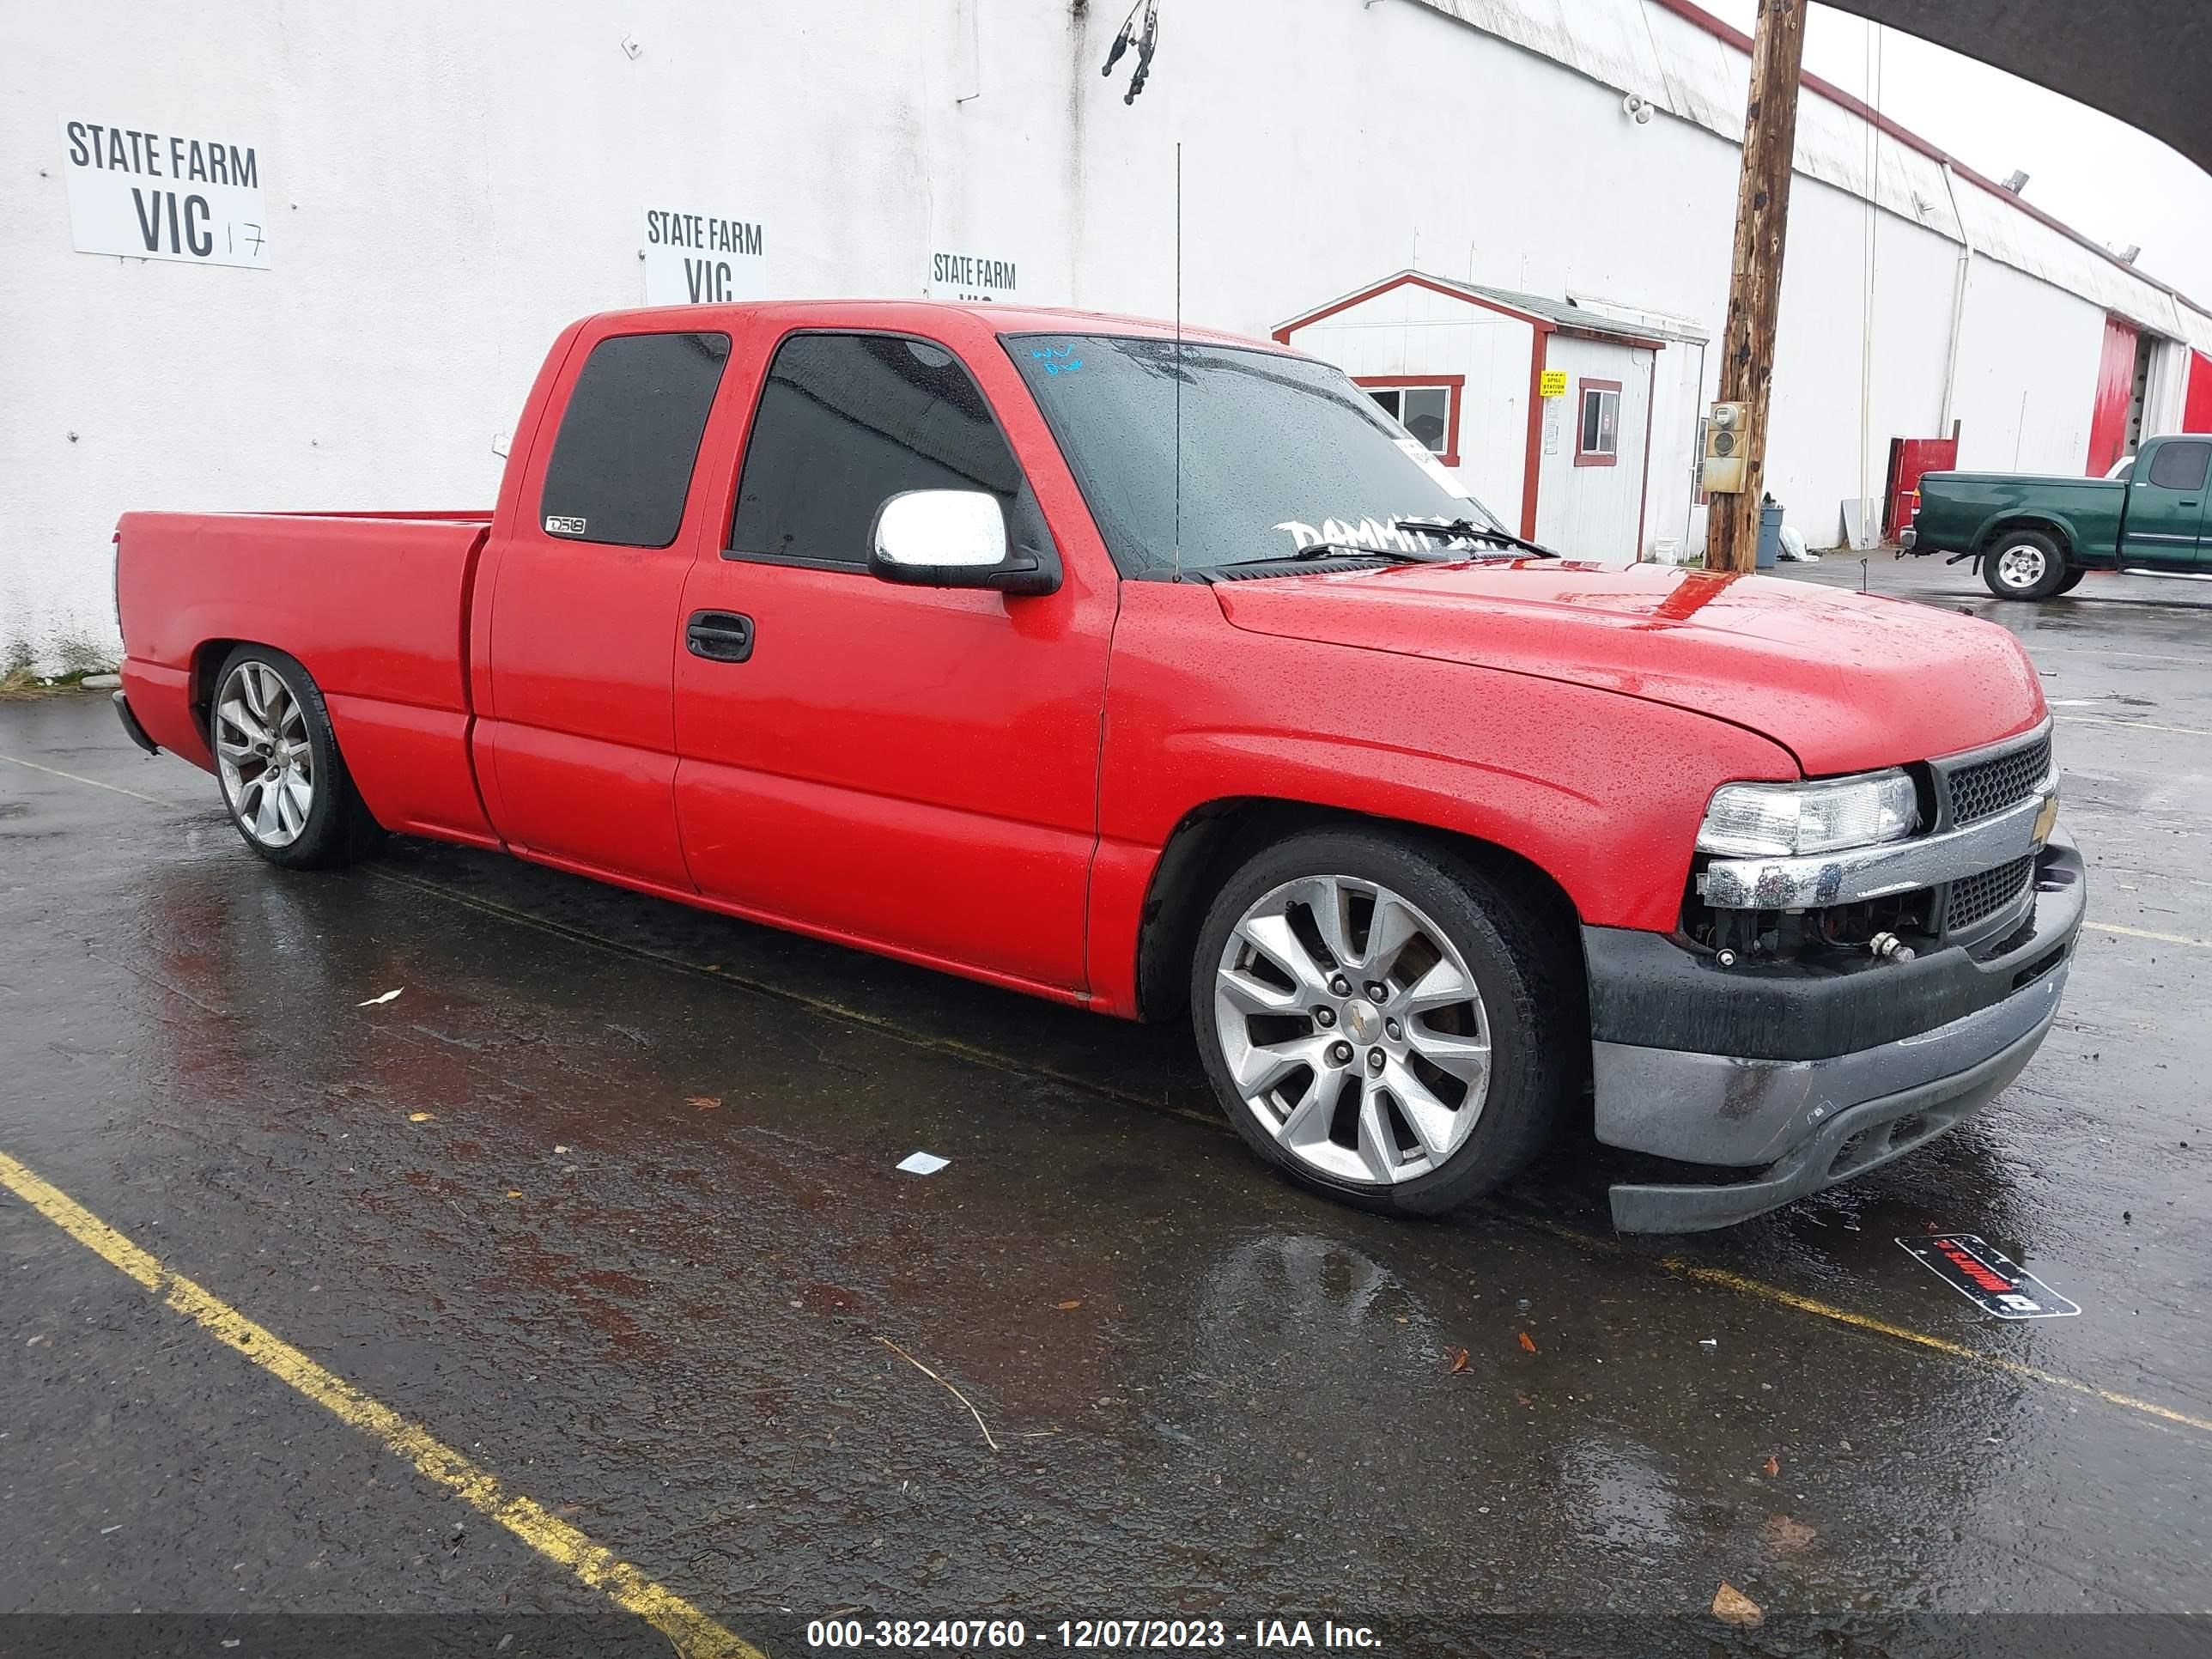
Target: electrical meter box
x,y
1722,468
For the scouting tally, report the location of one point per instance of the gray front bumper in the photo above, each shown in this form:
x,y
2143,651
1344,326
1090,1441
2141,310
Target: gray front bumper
x,y
1851,1113
1800,1077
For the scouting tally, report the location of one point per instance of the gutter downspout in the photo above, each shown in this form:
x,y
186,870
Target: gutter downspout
x,y
1697,458
1958,307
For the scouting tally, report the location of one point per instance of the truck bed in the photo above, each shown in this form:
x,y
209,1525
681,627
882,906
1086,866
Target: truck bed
x,y
374,604
1960,510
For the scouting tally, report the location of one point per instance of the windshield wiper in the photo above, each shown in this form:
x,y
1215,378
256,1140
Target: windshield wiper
x,y
1470,530
1341,550
1354,550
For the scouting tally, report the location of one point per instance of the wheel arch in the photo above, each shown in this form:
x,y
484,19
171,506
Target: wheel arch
x,y
1213,839
207,660
2045,524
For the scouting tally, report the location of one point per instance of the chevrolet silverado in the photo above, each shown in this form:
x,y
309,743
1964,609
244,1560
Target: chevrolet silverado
x,y
1164,674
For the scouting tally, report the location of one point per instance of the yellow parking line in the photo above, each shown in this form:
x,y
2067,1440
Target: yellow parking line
x,y
1742,1284
1765,1292
1737,1282
2145,932
114,788
694,1634
2137,725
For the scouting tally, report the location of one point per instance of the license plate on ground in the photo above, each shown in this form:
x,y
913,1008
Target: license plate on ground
x,y
1988,1278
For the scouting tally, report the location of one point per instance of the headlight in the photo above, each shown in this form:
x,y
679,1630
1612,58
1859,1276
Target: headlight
x,y
1790,819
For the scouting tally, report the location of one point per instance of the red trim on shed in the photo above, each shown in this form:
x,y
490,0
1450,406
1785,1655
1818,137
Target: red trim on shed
x,y
1404,279
1532,471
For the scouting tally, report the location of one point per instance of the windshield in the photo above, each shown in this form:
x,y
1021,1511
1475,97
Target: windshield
x,y
1279,453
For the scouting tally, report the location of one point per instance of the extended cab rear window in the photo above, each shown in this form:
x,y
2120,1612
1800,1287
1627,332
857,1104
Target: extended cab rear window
x,y
621,465
2180,466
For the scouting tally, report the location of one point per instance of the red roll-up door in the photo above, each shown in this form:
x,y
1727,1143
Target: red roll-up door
x,y
2116,384
2196,412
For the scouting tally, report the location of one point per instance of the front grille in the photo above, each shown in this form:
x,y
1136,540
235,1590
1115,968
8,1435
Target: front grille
x,y
1988,786
1973,897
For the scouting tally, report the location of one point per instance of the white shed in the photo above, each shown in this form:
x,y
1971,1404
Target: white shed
x,y
1544,407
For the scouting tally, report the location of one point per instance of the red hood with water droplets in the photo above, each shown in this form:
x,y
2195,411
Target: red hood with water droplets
x,y
1847,682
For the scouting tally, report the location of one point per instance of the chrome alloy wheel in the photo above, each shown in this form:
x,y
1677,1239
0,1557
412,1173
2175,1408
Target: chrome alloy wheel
x,y
265,755
1353,1029
2021,565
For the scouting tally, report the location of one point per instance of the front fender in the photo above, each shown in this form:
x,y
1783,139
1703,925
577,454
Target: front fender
x,y
1600,790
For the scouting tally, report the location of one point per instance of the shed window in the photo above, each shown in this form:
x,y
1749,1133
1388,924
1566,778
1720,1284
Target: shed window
x,y
1427,409
621,465
1597,437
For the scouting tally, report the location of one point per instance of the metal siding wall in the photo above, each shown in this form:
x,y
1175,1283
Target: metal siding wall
x,y
2027,373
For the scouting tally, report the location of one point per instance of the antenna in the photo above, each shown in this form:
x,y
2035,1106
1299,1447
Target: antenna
x,y
1178,363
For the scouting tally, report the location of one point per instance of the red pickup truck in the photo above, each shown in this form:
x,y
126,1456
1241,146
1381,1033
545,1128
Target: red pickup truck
x,y
1167,675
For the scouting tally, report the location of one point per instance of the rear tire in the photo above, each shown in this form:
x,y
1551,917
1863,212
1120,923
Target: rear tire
x,y
277,759
2023,564
1342,1049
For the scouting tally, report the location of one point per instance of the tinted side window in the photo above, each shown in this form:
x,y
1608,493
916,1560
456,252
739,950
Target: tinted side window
x,y
847,420
621,465
2180,466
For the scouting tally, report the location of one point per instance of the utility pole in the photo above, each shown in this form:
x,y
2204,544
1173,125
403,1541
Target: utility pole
x,y
1762,217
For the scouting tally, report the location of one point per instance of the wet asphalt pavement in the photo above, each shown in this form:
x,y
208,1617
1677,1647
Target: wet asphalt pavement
x,y
606,1200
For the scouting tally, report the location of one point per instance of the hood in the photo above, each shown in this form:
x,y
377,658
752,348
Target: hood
x,y
1846,682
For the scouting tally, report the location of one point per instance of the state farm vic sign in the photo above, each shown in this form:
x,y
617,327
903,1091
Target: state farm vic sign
x,y
702,258
144,193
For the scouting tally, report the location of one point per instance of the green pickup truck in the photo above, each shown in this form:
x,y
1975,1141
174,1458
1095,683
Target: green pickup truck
x,y
2034,537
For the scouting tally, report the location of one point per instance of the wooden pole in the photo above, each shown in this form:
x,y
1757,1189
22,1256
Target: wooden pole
x,y
1762,218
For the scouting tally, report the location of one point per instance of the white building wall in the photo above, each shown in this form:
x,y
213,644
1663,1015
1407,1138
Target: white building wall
x,y
1820,450
449,183
2028,365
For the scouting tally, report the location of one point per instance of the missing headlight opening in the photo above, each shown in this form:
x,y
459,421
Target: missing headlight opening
x,y
1897,928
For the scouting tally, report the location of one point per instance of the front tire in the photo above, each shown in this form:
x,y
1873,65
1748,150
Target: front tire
x,y
1385,1022
2024,564
277,759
